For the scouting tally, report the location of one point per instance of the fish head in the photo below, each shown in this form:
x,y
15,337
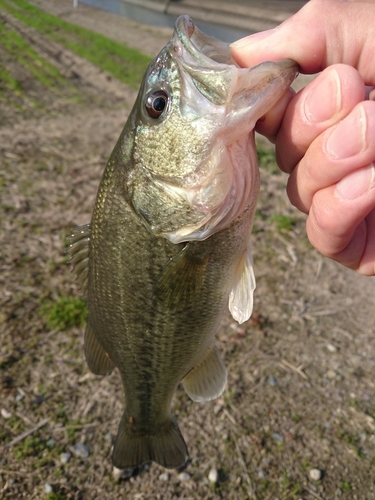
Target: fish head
x,y
194,166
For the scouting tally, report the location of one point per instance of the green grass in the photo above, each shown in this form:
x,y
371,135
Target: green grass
x,y
65,313
126,64
283,222
31,446
25,55
265,155
7,81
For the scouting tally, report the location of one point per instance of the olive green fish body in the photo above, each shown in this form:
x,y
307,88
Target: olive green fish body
x,y
168,246
155,307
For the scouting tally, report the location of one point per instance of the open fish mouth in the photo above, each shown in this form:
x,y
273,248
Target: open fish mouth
x,y
207,174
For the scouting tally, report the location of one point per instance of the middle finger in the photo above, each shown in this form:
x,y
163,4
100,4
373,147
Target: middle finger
x,y
320,105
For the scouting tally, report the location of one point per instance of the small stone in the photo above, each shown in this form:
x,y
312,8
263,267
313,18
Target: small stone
x,y
116,473
213,475
278,437
19,397
80,450
217,408
48,488
315,474
184,476
332,348
363,437
108,436
5,413
51,443
164,476
272,381
331,374
39,399
121,473
65,457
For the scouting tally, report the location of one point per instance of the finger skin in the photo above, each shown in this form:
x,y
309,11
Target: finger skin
x,y
341,227
325,134
344,232
269,124
322,33
320,168
321,104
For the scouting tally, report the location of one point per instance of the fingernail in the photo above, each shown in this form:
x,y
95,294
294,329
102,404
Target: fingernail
x,y
349,137
256,37
324,99
356,184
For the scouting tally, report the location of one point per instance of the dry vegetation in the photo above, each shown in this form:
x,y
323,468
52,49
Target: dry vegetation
x,y
301,371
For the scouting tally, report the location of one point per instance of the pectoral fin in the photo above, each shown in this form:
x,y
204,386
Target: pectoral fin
x,y
208,378
241,295
97,359
182,279
79,253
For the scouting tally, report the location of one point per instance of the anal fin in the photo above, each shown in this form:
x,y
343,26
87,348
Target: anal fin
x,y
241,295
208,378
97,359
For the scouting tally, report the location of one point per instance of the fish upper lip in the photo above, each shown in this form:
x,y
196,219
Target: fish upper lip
x,y
210,64
207,50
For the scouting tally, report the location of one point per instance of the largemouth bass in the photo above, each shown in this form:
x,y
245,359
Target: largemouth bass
x,y
168,246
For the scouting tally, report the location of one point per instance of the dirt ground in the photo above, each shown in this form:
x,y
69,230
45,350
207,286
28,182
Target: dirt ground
x,y
300,393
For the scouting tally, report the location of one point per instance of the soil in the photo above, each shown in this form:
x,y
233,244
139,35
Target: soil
x,y
300,393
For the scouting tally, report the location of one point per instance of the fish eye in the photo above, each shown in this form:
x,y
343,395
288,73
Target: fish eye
x,y
156,102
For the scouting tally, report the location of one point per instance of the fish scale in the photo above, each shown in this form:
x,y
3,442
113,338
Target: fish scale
x,y
168,246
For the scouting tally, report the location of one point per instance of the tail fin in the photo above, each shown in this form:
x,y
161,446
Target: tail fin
x,y
133,448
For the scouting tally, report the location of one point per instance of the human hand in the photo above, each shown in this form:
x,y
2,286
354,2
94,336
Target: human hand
x,y
325,134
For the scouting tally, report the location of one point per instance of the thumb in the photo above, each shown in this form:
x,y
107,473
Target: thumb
x,y
322,33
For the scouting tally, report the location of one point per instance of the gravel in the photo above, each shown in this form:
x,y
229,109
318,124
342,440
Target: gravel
x,y
65,457
213,475
315,474
80,450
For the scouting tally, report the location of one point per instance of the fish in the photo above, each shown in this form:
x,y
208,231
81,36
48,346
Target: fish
x,y
168,248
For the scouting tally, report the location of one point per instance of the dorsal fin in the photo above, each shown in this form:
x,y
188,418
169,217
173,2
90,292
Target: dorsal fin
x,y
241,295
79,253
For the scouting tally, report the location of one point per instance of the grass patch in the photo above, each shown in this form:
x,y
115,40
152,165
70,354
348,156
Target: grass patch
x,y
265,155
31,446
65,313
267,159
283,222
126,64
8,82
26,56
